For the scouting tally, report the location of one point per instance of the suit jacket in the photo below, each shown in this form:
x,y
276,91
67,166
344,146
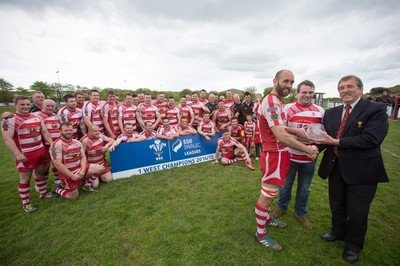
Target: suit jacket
x,y
359,152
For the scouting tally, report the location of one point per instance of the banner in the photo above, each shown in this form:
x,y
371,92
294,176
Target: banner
x,y
154,155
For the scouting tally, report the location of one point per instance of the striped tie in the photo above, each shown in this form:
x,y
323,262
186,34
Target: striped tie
x,y
340,131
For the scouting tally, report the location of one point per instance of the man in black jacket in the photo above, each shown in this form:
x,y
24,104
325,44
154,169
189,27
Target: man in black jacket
x,y
353,162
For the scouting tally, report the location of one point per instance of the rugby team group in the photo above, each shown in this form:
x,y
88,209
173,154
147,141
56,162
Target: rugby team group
x,y
73,140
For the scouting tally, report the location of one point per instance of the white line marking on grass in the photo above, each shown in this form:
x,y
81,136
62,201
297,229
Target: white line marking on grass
x,y
391,153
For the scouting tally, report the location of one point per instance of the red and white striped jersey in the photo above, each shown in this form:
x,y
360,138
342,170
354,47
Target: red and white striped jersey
x,y
75,117
197,108
94,113
27,131
69,153
128,114
228,103
92,148
187,112
167,131
52,124
149,113
151,135
299,116
111,113
127,138
161,107
227,147
222,117
270,115
173,114
207,127
181,128
237,132
249,128
203,101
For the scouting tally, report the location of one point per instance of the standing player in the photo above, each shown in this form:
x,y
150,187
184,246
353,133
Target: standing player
x,y
92,111
161,104
300,113
69,113
50,119
203,97
95,149
127,113
230,148
222,116
148,112
249,136
275,156
110,116
198,109
69,157
172,112
22,134
207,127
80,99
186,111
228,101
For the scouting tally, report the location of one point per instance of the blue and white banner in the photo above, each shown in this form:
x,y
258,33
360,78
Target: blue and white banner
x,y
154,155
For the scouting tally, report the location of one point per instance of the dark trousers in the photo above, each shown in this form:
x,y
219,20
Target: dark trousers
x,y
349,207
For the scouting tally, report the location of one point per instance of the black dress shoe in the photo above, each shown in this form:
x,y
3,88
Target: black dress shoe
x,y
330,237
351,256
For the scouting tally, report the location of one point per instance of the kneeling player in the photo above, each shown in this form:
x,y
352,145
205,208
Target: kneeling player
x,y
95,146
70,160
229,148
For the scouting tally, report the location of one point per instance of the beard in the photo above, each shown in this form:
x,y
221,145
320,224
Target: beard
x,y
281,90
67,136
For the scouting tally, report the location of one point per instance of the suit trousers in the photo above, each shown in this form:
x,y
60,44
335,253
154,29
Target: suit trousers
x,y
349,207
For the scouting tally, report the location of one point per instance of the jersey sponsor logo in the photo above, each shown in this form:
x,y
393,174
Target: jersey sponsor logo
x,y
273,117
272,109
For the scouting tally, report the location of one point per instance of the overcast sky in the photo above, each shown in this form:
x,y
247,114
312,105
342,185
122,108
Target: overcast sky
x,y
210,44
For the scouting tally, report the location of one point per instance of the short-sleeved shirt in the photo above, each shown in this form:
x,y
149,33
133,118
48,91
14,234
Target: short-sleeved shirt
x,y
127,138
270,115
69,153
128,114
228,147
167,131
197,111
111,113
93,148
52,124
93,111
207,127
75,117
151,135
173,114
27,131
299,116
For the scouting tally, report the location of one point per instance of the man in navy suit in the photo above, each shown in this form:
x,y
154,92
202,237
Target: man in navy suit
x,y
353,162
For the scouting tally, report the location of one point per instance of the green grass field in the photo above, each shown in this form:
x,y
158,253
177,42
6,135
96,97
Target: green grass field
x,y
195,215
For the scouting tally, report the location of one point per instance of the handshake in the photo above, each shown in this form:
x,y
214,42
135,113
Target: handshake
x,y
312,152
